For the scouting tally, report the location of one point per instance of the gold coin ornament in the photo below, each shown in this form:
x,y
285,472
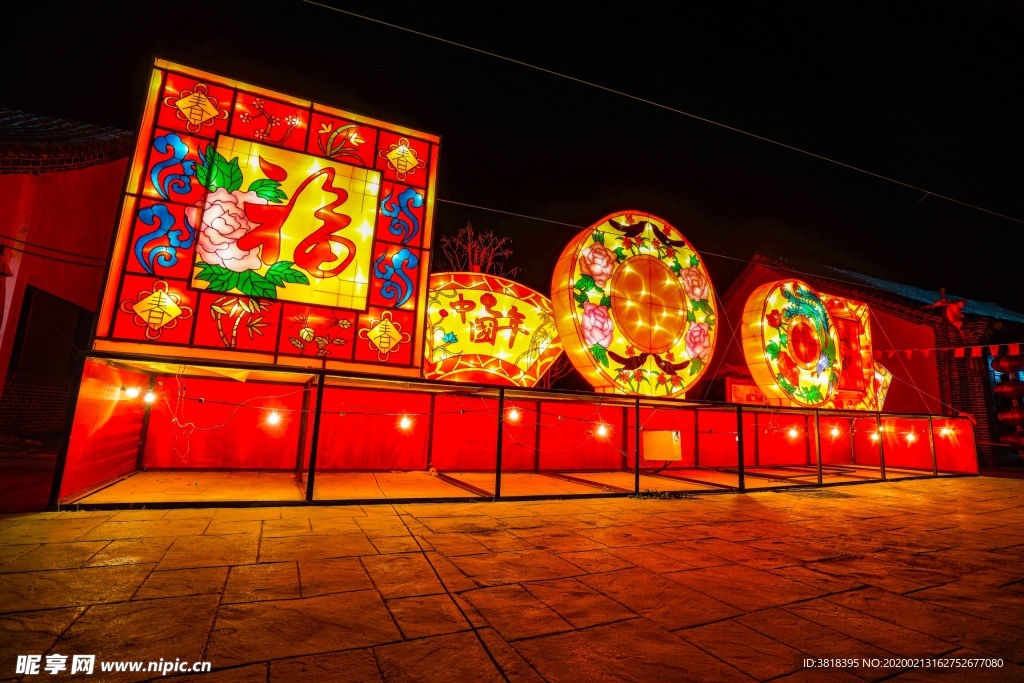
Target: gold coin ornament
x,y
634,307
791,343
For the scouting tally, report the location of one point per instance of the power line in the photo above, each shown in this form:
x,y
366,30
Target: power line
x,y
54,258
53,249
674,110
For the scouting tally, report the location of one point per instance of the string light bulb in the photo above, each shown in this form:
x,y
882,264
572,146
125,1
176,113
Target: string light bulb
x,y
834,431
911,437
945,431
405,422
273,418
149,397
513,415
874,436
132,392
602,429
793,433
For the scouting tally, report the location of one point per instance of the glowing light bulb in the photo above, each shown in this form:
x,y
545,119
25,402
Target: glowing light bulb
x,y
602,430
513,415
911,437
945,431
405,422
149,397
793,433
874,436
835,431
132,392
273,418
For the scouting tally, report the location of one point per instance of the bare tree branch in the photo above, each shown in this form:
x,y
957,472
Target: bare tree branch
x,y
477,252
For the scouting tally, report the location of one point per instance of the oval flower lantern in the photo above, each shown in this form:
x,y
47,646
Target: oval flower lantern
x,y
791,344
487,329
634,306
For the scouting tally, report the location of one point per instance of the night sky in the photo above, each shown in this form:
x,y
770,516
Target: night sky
x,y
925,94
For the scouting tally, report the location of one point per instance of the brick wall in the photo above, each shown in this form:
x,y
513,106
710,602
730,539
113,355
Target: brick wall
x,y
33,404
970,391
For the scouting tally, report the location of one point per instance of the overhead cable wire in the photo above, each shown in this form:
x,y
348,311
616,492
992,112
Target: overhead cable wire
x,y
53,258
35,245
674,110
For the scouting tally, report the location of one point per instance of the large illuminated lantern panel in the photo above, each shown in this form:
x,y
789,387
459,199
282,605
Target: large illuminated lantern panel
x,y
811,350
263,228
634,306
487,329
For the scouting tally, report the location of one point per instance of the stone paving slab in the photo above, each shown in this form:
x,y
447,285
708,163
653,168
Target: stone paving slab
x,y
717,588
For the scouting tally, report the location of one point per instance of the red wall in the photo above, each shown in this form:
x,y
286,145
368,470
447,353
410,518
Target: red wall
x,y
359,430
105,436
226,435
73,211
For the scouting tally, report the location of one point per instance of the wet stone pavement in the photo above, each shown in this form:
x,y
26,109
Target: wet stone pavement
x,y
720,587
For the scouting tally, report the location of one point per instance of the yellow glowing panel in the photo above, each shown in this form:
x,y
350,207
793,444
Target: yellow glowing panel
x,y
791,344
322,222
634,306
488,329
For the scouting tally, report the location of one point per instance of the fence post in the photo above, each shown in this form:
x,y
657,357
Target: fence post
x,y
931,445
501,439
881,443
315,440
739,447
636,449
817,441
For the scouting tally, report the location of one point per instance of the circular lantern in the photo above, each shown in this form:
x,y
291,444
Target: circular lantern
x,y
791,344
634,306
1010,389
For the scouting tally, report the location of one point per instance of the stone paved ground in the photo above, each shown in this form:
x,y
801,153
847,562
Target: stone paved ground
x,y
724,587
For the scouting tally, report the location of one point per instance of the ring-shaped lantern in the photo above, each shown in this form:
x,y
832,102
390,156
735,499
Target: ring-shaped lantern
x,y
634,306
791,343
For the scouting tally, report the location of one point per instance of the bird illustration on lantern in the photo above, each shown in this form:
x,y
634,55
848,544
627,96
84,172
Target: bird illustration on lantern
x,y
634,306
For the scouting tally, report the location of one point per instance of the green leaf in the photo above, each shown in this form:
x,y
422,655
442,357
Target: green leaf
x,y
598,237
600,353
694,260
580,297
255,285
690,317
702,306
234,175
813,394
585,283
620,254
783,339
772,349
696,365
284,271
269,190
676,267
606,301
224,281
202,175
208,272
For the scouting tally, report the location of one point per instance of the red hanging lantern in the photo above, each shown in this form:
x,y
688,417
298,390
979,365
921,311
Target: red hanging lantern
x,y
1012,416
1008,364
1010,389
